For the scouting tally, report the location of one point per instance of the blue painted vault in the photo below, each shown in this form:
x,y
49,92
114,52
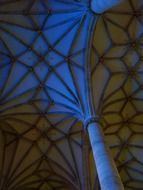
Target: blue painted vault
x,y
57,70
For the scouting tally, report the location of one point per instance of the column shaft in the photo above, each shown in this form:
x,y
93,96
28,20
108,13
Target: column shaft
x,y
99,6
107,172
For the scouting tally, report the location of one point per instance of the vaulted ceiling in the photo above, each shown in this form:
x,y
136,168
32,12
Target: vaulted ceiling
x,y
46,49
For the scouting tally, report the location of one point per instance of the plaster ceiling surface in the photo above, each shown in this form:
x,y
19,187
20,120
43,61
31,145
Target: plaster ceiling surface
x,y
44,46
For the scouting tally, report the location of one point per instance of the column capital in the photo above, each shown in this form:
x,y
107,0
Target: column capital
x,y
92,119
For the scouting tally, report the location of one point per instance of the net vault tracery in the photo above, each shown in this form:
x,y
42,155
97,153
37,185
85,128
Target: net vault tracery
x,y
42,95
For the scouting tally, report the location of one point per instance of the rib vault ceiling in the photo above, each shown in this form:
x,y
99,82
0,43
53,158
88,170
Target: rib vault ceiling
x,y
44,50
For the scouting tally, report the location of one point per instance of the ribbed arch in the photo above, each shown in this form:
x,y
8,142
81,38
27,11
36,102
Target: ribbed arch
x,y
43,94
117,64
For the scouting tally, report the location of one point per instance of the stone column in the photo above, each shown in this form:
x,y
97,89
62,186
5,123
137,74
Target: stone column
x,y
106,169
99,6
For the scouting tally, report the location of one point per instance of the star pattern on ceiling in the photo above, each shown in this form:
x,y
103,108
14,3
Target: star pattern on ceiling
x,y
117,64
40,104
42,141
